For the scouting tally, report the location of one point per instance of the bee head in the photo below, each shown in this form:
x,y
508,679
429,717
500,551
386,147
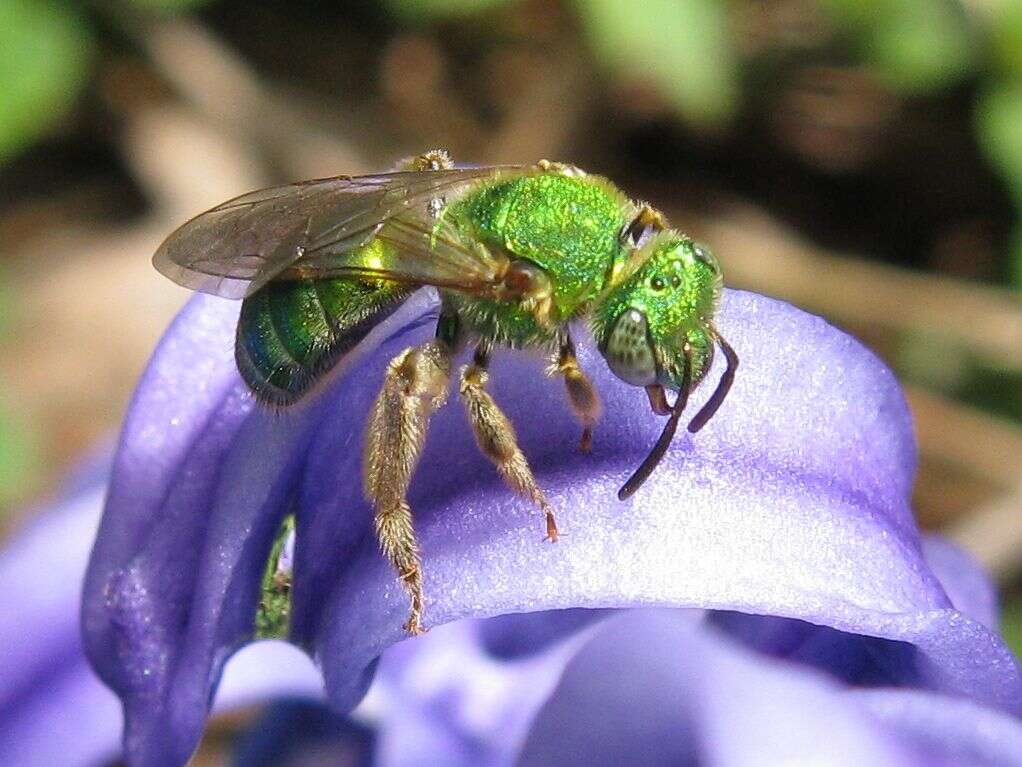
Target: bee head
x,y
660,313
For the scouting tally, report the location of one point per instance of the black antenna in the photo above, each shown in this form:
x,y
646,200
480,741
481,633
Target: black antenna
x,y
660,448
717,398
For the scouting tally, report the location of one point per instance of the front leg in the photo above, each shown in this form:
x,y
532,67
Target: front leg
x,y
414,388
496,436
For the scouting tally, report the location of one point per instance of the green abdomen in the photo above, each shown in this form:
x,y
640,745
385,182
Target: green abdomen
x,y
292,332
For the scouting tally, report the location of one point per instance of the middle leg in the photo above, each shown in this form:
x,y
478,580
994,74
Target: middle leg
x,y
585,402
496,436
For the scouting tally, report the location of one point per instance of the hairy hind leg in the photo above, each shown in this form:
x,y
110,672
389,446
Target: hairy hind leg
x,y
496,436
415,386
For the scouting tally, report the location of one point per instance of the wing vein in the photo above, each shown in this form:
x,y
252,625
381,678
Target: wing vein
x,y
315,228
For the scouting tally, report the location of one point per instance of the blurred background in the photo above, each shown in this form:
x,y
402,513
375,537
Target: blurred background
x,y
859,158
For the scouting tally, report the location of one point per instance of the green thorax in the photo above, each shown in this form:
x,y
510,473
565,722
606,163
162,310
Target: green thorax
x,y
567,224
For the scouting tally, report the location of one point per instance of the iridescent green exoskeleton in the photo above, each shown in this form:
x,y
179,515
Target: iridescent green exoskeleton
x,y
515,252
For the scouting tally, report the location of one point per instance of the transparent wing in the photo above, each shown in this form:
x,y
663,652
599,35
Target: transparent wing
x,y
313,228
419,252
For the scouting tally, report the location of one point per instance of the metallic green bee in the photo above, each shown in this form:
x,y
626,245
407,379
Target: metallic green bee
x,y
516,254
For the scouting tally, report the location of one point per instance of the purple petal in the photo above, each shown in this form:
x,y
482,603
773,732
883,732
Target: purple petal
x,y
966,583
67,718
945,732
855,659
41,569
53,709
652,688
174,591
792,502
865,660
444,700
519,634
201,482
266,670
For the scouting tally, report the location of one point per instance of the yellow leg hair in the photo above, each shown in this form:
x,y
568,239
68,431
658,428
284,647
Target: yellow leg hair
x,y
582,395
414,388
496,438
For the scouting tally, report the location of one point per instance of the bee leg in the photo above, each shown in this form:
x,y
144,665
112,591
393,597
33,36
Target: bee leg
x,y
431,159
415,386
496,436
563,168
582,395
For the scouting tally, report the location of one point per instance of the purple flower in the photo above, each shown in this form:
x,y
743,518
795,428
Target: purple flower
x,y
53,709
660,687
792,505
488,692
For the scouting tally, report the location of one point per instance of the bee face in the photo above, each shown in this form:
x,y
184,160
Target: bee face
x,y
661,313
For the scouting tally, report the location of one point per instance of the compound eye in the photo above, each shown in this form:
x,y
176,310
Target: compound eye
x,y
628,352
704,256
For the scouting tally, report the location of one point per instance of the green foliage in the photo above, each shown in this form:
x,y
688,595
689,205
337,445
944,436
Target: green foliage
x,y
999,113
19,461
1015,274
680,46
1006,37
932,360
999,128
19,451
44,55
1011,625
168,5
273,616
429,10
999,123
915,46
5,302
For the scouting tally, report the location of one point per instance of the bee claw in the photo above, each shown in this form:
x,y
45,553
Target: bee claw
x,y
551,528
586,442
413,627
